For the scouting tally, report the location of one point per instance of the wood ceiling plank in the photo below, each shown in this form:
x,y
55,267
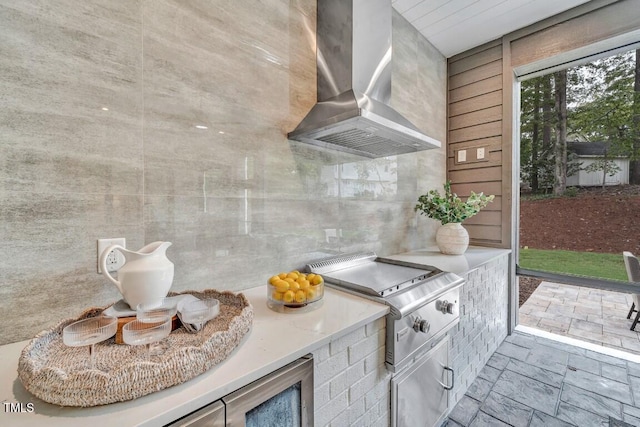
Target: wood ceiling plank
x,y
455,26
451,8
422,8
467,12
403,5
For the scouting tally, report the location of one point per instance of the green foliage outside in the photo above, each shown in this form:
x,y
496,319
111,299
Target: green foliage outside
x,y
603,105
606,166
449,207
586,264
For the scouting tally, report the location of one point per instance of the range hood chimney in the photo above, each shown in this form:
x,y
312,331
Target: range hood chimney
x,y
354,84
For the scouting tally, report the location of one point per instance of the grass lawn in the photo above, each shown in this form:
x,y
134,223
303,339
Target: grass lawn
x,y
605,266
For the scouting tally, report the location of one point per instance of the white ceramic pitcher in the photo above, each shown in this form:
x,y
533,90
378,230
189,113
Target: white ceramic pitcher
x,y
146,275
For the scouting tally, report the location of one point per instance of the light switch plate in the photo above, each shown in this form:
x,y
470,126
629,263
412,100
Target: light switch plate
x,y
480,153
462,156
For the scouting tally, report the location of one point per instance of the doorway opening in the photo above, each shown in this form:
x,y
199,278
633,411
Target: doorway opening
x,y
580,199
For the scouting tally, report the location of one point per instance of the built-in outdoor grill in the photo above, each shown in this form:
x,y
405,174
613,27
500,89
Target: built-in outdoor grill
x,y
424,305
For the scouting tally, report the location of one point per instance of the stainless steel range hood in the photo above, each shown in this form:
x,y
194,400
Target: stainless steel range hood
x,y
354,84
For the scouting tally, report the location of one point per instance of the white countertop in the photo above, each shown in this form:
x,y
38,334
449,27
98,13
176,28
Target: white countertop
x,y
473,258
275,340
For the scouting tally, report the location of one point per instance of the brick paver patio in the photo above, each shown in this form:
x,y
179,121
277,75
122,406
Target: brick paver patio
x,y
591,315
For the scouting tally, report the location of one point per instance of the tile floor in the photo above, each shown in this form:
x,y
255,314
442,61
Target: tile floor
x,y
531,381
591,315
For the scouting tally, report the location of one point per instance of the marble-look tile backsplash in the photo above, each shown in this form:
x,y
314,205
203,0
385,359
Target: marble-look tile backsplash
x,y
102,125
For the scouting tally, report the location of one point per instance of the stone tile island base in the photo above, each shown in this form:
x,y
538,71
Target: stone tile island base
x,y
352,385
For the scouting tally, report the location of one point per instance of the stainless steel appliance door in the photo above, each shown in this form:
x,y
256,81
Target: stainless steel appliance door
x,y
419,395
251,404
409,342
210,416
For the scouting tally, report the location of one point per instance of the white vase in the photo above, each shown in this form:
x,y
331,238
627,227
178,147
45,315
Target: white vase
x,y
452,238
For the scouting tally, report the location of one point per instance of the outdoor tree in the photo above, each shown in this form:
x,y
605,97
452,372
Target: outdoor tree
x,y
530,124
537,123
595,102
634,172
604,165
604,101
560,178
548,123
605,110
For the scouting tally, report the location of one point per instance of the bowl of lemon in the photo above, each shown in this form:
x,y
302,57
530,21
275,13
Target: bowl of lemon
x,y
294,290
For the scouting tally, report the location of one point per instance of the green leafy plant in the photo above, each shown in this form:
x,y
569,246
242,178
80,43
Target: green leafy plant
x,y
449,207
571,192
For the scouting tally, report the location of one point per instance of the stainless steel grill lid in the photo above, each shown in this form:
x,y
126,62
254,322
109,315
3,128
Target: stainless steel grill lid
x,y
403,286
424,302
369,274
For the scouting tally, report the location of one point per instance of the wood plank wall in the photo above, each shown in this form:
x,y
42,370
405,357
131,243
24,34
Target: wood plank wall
x,y
475,121
578,28
481,100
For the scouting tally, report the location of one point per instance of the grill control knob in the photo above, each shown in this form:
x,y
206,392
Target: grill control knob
x,y
444,306
421,325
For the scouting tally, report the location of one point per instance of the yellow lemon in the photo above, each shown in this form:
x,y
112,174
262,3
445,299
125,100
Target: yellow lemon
x,y
277,295
288,296
282,286
282,275
311,293
293,275
310,276
273,279
294,286
301,296
317,279
302,276
289,280
304,284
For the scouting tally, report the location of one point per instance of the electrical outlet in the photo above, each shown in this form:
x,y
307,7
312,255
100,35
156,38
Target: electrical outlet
x,y
115,259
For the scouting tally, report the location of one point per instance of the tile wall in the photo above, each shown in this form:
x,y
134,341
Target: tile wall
x,y
483,322
351,382
101,135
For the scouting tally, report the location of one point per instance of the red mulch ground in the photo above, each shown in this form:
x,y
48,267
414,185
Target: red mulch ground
x,y
596,220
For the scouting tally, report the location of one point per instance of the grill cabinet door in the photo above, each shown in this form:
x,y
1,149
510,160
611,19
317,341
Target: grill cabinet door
x,y
418,394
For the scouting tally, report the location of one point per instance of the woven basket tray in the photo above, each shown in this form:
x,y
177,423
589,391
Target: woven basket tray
x,y
61,375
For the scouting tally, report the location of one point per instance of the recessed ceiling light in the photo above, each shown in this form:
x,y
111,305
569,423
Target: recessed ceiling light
x,y
201,127
105,109
221,132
